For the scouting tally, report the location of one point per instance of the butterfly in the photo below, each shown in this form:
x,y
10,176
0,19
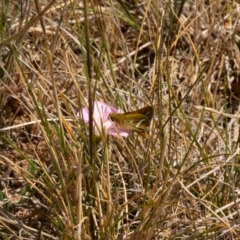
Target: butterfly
x,y
138,121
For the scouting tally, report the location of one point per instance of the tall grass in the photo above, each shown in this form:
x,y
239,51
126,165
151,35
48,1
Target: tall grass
x,y
60,181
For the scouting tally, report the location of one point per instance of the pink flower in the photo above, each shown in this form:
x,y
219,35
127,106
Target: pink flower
x,y
101,121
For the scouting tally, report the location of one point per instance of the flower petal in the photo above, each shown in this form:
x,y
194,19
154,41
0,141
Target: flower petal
x,y
84,114
101,112
118,132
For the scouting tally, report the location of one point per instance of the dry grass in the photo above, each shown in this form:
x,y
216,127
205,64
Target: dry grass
x,y
180,183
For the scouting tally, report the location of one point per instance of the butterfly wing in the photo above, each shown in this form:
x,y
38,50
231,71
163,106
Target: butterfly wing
x,y
138,120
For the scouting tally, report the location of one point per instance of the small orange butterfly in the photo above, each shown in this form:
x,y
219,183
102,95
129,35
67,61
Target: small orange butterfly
x,y
138,120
